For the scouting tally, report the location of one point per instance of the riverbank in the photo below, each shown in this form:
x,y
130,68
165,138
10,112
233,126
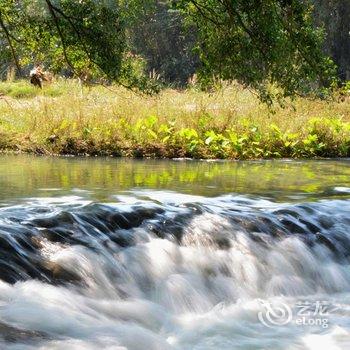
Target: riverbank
x,y
228,124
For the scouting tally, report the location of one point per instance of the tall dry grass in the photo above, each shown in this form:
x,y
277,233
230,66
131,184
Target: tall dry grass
x,y
230,123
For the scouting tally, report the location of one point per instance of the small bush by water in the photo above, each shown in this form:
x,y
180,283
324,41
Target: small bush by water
x,y
63,118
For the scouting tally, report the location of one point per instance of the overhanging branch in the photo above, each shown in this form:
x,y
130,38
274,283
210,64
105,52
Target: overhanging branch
x,y
12,48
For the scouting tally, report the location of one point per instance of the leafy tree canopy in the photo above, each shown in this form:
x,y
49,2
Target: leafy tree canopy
x,y
72,31
260,43
84,37
263,44
162,36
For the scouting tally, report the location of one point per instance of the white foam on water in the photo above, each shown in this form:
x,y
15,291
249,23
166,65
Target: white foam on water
x,y
342,189
161,295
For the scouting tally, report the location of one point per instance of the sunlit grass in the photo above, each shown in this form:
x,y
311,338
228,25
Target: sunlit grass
x,y
63,118
22,89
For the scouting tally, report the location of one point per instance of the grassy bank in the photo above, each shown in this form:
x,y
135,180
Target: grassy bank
x,y
64,119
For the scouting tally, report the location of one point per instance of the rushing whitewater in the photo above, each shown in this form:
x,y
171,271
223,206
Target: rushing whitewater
x,y
156,255
160,270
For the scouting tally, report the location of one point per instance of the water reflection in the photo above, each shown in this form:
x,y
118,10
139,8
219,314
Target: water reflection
x,y
180,257
24,176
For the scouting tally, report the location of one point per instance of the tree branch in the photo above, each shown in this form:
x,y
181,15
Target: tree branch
x,y
202,10
53,9
13,51
60,34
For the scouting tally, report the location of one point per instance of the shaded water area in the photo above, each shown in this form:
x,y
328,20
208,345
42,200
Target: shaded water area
x,y
155,254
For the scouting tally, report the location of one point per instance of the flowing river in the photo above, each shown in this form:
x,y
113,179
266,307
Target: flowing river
x,y
185,255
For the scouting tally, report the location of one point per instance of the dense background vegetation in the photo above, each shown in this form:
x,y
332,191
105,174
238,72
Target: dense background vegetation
x,y
146,44
211,61
334,15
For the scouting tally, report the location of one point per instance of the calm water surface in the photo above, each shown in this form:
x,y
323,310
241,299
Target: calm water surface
x,y
155,254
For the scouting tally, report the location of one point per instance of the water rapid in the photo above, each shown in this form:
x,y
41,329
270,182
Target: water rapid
x,y
103,254
161,270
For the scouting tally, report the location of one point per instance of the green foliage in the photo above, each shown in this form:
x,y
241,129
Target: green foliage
x,y
96,121
324,137
85,38
334,16
270,46
344,89
93,31
160,35
262,44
